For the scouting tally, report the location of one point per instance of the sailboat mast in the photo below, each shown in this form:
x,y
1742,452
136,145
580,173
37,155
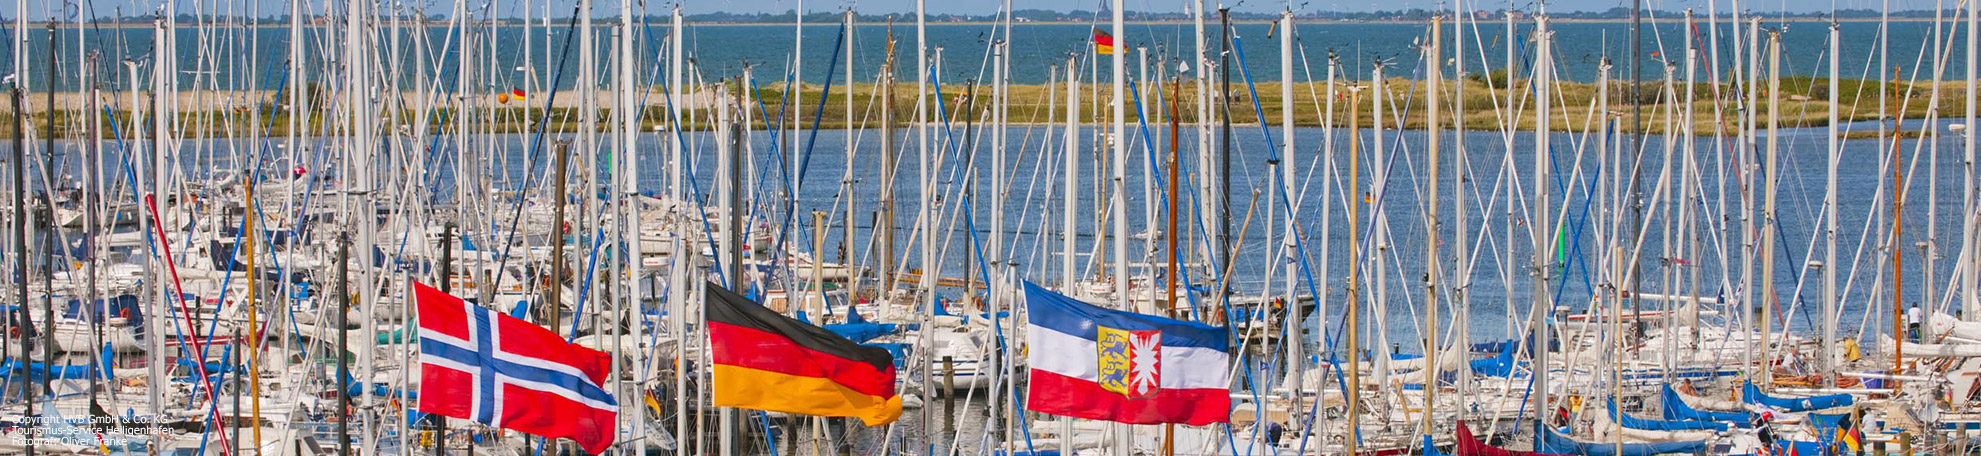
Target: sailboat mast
x,y
1006,414
47,234
1118,196
1286,175
1223,176
677,298
1206,156
1069,220
1671,243
846,242
360,148
1000,61
21,61
1461,224
1432,87
728,251
1771,182
158,276
1352,437
885,223
1970,293
627,172
153,391
927,218
1747,197
1170,232
1328,182
1898,225
1069,275
343,309
1144,95
1633,277
797,89
1830,208
21,238
1543,228
1691,177
1929,250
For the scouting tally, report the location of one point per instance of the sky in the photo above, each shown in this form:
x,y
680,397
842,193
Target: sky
x,y
41,9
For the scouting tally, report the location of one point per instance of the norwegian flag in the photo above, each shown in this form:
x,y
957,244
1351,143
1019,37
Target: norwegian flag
x,y
497,370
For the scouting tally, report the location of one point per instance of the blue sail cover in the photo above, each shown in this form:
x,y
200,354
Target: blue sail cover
x,y
1675,409
1803,448
1502,365
1625,420
857,328
1553,442
1752,394
39,371
861,332
1431,448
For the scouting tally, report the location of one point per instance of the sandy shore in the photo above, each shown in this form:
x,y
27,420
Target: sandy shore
x,y
1803,103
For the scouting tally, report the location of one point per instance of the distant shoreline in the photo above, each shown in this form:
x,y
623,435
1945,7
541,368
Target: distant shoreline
x,y
278,23
231,115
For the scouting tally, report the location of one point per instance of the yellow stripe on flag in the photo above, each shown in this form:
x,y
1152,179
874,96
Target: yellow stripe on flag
x,y
748,388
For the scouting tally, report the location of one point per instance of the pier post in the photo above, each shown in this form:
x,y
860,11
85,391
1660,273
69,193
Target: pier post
x,y
948,394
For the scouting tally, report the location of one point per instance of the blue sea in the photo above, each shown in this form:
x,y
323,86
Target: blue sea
x,y
1499,276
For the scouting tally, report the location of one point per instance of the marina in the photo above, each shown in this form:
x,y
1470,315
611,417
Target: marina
x,y
351,227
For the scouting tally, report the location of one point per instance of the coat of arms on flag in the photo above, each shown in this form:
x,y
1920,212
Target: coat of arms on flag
x,y
1130,361
480,365
1095,363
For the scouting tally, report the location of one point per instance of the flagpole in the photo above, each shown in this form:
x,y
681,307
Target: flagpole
x,y
446,286
1118,197
1169,304
1069,233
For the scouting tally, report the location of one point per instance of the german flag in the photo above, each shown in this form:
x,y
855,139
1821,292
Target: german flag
x,y
766,361
1849,436
1103,42
513,95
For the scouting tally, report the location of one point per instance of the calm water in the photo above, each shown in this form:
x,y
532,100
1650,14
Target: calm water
x,y
218,58
1500,284
1499,275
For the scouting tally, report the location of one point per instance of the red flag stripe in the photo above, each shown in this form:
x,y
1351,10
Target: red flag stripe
x,y
753,348
1068,396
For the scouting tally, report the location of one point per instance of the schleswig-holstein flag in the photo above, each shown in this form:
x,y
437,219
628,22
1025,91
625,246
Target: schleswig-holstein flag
x,y
1095,363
